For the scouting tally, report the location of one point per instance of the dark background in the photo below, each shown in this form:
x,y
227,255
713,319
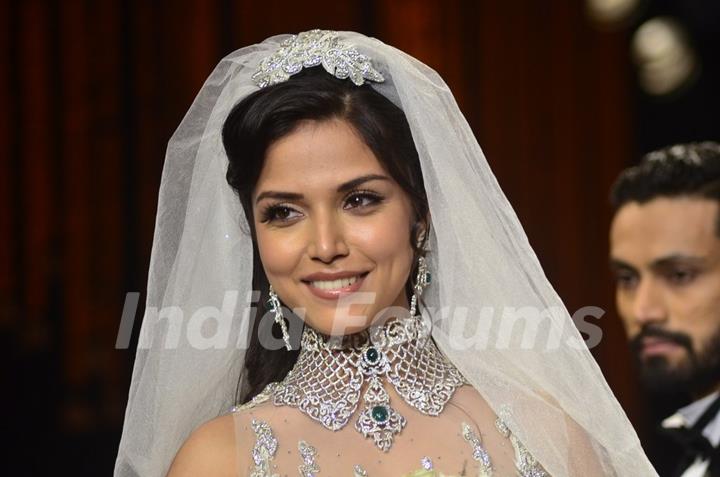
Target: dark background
x,y
92,90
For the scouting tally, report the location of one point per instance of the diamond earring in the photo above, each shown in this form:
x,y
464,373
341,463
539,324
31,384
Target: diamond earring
x,y
422,279
273,303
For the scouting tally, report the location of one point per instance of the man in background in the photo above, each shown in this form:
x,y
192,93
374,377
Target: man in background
x,y
665,252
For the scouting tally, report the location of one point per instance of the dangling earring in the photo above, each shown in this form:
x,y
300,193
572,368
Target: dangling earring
x,y
422,279
274,305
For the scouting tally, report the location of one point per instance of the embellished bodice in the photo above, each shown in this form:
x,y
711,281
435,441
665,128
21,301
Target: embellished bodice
x,y
267,449
411,408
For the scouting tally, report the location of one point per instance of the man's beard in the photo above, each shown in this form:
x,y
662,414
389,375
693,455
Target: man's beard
x,y
697,373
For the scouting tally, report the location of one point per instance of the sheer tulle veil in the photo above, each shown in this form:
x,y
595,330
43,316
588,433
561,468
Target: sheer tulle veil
x,y
494,313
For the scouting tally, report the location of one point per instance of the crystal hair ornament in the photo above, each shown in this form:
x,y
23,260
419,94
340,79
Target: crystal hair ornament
x,y
313,48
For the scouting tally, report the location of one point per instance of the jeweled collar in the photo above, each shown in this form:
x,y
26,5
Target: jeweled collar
x,y
327,380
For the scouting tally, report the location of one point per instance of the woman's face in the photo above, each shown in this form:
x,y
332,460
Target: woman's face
x,y
333,228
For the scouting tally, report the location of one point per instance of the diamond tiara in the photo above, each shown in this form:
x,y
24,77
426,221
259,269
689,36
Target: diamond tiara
x,y
313,48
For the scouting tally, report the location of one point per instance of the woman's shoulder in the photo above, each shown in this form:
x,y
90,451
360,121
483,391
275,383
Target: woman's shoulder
x,y
210,450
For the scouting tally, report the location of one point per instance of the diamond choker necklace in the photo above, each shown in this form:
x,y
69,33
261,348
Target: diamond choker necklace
x,y
326,382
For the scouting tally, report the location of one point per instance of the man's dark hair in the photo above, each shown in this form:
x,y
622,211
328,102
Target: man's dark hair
x,y
682,170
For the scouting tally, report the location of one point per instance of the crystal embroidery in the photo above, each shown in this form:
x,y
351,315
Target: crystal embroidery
x,y
502,427
260,398
525,463
325,383
264,450
478,451
308,453
313,48
358,471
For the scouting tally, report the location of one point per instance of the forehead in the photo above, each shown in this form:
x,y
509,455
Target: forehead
x,y
317,155
662,227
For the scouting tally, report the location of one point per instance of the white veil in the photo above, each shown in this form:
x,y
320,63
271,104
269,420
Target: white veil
x,y
485,276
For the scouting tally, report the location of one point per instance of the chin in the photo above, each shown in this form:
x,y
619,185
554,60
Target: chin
x,y
331,328
346,321
660,375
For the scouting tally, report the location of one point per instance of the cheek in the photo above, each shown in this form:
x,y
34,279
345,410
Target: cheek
x,y
384,238
278,252
695,311
700,310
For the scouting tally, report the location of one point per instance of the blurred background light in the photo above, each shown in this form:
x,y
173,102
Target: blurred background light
x,y
664,58
612,13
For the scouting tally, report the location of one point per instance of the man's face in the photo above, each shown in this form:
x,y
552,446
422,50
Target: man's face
x,y
666,257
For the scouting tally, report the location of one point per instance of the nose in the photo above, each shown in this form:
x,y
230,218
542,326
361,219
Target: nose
x,y
647,304
328,238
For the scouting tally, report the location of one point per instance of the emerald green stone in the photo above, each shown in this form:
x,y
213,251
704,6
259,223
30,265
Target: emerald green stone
x,y
372,355
379,413
427,277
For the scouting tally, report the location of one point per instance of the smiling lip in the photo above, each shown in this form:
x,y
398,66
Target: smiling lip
x,y
338,292
657,346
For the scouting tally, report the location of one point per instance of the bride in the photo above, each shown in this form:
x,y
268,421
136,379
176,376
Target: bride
x,y
335,175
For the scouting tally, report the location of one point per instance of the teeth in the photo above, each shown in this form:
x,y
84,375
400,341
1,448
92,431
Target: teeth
x,y
334,284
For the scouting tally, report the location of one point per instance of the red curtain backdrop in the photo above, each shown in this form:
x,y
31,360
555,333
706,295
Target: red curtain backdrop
x,y
92,90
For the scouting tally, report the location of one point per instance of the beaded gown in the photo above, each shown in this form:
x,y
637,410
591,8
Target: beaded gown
x,y
387,405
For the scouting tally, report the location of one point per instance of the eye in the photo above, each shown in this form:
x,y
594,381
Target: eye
x,y
626,279
681,276
362,199
278,213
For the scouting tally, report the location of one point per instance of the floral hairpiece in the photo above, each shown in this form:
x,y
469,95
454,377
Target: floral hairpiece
x,y
313,48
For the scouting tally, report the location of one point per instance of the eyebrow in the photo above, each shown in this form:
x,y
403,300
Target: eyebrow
x,y
670,260
660,263
344,187
616,264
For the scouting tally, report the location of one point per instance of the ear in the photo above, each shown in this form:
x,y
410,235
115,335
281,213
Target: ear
x,y
421,235
424,227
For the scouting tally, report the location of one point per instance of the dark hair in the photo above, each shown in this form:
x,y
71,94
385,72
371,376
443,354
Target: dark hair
x,y
682,170
273,112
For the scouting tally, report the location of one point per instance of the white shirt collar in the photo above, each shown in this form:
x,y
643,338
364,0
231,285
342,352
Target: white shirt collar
x,y
688,415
